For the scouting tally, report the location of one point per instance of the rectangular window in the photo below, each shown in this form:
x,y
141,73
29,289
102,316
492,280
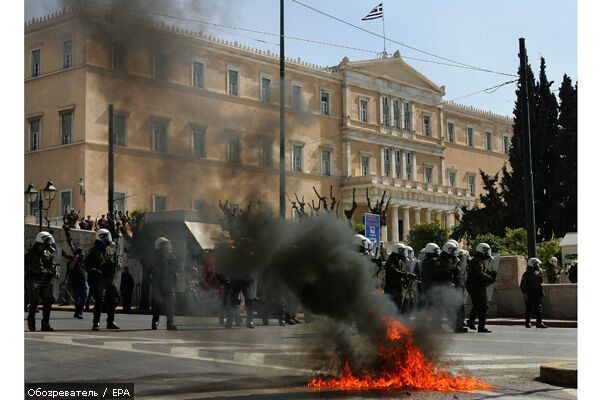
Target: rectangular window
x,y
488,140
36,62
428,174
65,201
160,66
324,102
233,148
199,142
386,162
408,166
197,74
297,157
452,178
326,162
159,203
66,127
34,134
297,97
470,137
471,185
396,107
265,90
427,124
364,103
233,77
119,62
67,54
120,125
407,117
385,111
398,163
266,152
505,144
364,165
197,204
119,202
451,137
159,135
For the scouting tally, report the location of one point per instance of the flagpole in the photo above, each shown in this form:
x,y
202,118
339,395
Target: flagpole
x,y
383,21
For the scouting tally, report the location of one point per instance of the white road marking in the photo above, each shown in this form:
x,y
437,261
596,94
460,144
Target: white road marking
x,y
496,366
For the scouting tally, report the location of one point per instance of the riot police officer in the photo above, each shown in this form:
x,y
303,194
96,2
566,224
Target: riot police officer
x,y
164,281
102,263
553,270
40,269
531,287
394,274
434,276
478,278
449,258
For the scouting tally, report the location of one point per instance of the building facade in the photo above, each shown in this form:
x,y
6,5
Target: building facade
x,y
197,121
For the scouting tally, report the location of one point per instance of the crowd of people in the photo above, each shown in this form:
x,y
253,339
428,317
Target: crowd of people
x,y
436,281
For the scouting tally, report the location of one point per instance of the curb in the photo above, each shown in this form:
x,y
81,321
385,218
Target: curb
x,y
549,323
559,374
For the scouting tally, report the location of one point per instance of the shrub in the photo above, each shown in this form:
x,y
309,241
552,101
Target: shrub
x,y
359,228
421,234
515,242
495,242
547,250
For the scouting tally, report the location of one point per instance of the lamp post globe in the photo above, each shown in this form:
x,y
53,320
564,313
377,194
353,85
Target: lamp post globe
x,y
31,194
49,192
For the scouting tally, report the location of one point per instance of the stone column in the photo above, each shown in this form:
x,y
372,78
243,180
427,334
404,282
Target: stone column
x,y
393,163
428,215
417,216
449,222
413,164
348,159
405,222
383,233
382,163
403,161
394,237
443,171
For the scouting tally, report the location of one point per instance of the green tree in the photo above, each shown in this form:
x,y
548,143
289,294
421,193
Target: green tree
x,y
565,211
496,243
489,215
547,250
359,228
429,232
515,242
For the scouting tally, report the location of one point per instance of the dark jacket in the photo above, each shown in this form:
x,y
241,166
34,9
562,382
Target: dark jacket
x,y
394,275
77,273
433,270
164,271
102,260
127,283
478,276
531,282
39,265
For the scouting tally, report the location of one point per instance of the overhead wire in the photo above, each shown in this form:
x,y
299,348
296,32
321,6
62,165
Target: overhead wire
x,y
401,43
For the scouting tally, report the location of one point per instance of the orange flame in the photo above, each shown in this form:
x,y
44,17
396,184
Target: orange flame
x,y
404,367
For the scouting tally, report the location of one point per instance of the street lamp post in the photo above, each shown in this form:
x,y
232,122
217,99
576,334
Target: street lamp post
x,y
33,196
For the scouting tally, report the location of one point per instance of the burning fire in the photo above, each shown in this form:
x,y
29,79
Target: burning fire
x,y
404,367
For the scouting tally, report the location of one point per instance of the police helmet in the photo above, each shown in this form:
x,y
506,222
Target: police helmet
x,y
44,237
534,262
484,248
553,260
103,235
432,248
451,247
160,241
364,243
400,249
410,252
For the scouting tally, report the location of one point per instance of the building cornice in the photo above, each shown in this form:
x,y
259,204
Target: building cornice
x,y
391,141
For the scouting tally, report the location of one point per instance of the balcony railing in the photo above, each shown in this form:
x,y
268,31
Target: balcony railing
x,y
403,183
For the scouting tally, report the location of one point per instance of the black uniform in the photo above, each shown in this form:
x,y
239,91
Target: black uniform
x,y
478,279
435,276
573,273
552,273
102,263
127,286
39,271
164,282
531,286
455,311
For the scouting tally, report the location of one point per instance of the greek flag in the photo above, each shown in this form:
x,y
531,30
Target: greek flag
x,y
375,13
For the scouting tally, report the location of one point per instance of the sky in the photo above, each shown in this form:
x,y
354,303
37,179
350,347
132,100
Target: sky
x,y
483,34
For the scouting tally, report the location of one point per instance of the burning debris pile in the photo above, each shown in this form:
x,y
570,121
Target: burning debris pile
x,y
403,366
316,261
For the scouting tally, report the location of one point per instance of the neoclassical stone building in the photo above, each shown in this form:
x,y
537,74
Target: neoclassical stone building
x,y
197,120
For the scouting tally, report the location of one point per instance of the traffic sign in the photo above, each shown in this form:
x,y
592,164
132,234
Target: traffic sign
x,y
372,225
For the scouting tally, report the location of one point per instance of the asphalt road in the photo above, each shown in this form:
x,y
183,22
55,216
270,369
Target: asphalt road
x,y
206,361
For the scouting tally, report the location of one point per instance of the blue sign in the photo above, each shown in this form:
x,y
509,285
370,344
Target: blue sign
x,y
372,222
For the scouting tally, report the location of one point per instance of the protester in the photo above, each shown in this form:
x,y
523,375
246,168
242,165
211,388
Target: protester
x,y
127,285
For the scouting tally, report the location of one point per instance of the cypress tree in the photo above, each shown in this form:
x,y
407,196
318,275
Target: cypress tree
x,y
567,126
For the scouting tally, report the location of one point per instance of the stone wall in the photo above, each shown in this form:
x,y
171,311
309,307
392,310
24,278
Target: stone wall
x,y
560,301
